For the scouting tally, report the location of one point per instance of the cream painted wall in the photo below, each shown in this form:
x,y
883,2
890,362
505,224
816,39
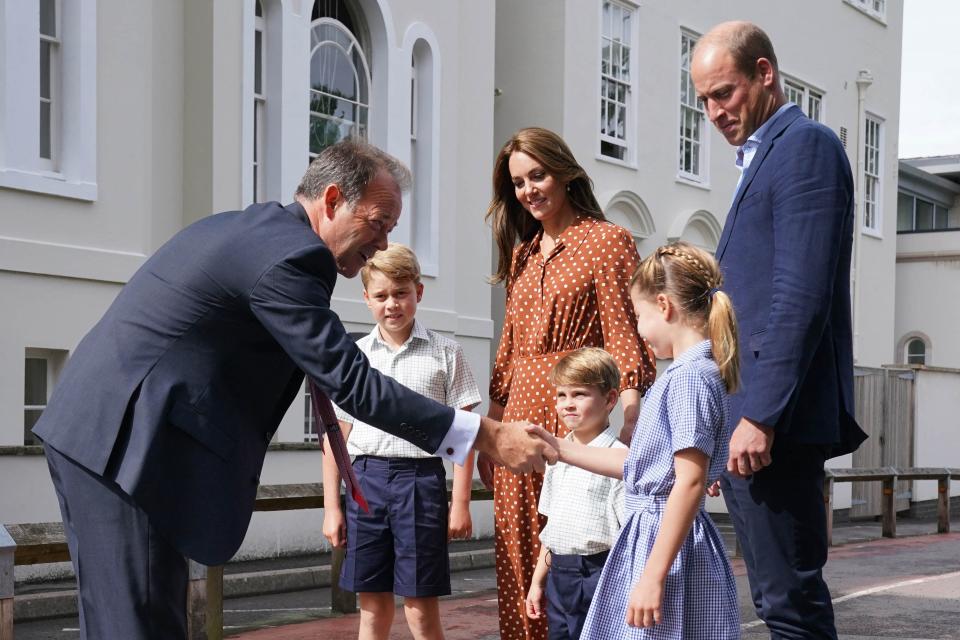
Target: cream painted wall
x,y
937,426
926,293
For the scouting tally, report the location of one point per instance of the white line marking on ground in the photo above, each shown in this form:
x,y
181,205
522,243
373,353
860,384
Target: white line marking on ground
x,y
873,590
272,610
896,585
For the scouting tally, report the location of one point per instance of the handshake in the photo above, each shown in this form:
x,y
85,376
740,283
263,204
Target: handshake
x,y
521,447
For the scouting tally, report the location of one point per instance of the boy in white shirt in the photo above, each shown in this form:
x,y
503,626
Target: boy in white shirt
x,y
584,510
403,540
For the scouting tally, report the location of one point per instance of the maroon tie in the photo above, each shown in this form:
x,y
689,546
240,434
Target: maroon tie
x,y
329,426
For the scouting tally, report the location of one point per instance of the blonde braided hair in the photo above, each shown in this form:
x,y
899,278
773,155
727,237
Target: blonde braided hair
x,y
691,278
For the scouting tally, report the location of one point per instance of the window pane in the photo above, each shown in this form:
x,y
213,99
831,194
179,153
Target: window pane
x,y
953,218
940,218
35,381
924,215
916,352
45,69
259,9
48,18
45,151
904,212
258,61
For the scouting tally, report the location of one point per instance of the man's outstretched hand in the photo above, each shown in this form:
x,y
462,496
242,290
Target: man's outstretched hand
x,y
513,446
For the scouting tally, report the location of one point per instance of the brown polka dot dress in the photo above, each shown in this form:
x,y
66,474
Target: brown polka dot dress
x,y
577,297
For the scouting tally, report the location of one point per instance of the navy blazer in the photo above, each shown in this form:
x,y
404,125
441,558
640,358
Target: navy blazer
x,y
178,389
785,257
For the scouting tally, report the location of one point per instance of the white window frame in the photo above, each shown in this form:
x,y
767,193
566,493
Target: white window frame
x,y
54,359
703,144
72,172
876,9
259,103
423,199
53,41
630,102
807,93
873,148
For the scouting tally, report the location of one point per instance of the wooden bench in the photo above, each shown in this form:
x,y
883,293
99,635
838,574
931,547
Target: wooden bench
x,y
888,476
41,543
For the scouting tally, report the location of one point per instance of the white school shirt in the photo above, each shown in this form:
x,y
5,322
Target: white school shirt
x,y
584,510
428,363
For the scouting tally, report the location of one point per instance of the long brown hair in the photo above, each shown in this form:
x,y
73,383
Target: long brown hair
x,y
509,220
691,278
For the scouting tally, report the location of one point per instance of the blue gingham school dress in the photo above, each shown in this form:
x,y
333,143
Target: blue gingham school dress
x,y
686,407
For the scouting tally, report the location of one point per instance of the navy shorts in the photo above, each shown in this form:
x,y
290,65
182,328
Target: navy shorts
x,y
401,545
571,583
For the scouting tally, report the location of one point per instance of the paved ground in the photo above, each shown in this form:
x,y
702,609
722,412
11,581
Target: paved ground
x,y
907,588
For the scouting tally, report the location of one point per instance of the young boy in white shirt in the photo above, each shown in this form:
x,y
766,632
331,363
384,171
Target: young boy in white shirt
x,y
584,510
402,541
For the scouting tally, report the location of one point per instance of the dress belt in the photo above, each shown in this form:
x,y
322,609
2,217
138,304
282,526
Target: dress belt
x,y
650,503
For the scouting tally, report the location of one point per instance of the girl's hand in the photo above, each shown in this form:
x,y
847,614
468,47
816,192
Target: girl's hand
x,y
643,609
546,436
713,490
535,601
460,525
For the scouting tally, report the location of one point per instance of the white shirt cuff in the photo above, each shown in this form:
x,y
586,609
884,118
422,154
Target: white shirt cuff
x,y
460,437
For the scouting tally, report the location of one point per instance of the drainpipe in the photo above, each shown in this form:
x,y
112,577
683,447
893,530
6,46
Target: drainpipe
x,y
864,80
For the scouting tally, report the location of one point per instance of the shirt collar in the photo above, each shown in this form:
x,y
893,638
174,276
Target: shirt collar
x,y
744,151
419,333
701,350
572,237
604,439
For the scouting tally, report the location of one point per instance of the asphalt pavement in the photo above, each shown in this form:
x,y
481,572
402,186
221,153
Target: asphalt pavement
x,y
906,588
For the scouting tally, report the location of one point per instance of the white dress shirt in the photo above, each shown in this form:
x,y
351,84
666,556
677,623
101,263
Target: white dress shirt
x,y
433,366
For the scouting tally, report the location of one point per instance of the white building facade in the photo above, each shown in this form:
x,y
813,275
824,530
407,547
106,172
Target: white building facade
x,y
120,123
138,118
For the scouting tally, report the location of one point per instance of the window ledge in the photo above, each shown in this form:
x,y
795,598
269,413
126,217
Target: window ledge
x,y
614,161
53,184
873,233
690,182
873,16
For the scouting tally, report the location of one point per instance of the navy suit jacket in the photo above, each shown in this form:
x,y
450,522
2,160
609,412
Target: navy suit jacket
x,y
785,257
178,389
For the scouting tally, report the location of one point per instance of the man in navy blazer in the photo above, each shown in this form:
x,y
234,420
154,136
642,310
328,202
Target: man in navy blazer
x,y
157,430
785,257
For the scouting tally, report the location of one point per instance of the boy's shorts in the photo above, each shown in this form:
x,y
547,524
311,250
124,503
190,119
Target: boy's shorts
x,y
571,583
401,545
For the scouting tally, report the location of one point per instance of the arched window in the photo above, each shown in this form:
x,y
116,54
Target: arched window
x,y
699,228
916,351
628,210
423,196
339,77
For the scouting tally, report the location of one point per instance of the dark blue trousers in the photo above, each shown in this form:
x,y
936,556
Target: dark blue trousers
x,y
132,583
571,583
780,521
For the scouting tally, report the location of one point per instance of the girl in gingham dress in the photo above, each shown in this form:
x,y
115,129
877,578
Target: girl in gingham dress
x,y
667,576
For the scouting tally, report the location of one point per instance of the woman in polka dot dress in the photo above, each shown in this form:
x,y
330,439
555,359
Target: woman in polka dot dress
x,y
567,287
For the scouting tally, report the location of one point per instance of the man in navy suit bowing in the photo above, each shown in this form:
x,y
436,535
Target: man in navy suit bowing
x,y
785,256
156,433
